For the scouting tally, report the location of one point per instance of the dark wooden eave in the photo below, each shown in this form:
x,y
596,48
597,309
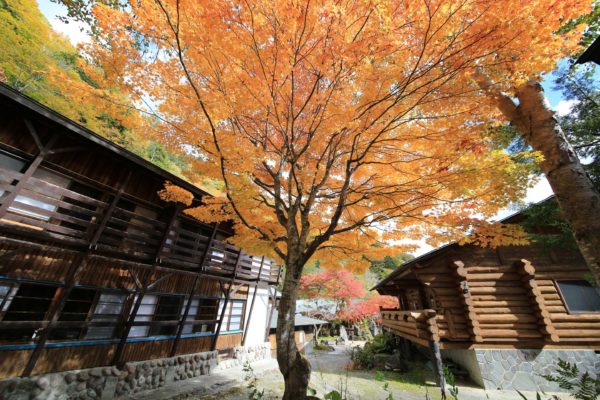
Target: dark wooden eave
x,y
592,53
16,98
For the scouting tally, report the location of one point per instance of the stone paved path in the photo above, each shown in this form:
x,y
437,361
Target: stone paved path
x,y
329,373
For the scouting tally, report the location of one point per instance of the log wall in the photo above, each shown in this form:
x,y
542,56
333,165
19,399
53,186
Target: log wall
x,y
506,296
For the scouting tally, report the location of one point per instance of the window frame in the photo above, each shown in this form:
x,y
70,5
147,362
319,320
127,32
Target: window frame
x,y
563,298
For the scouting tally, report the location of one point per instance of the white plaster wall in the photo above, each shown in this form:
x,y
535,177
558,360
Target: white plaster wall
x,y
256,326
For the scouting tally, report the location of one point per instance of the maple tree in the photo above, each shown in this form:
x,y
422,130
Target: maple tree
x,y
335,127
346,293
338,286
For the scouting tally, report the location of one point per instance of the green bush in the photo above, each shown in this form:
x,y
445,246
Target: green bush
x,y
364,357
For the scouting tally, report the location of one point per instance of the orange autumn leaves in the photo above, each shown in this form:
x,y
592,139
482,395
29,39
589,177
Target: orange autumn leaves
x,y
337,129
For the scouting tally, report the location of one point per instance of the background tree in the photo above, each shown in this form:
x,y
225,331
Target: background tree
x,y
532,117
329,294
382,268
44,65
334,127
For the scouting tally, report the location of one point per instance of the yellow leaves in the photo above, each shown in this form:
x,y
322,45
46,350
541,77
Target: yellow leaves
x,y
497,234
176,194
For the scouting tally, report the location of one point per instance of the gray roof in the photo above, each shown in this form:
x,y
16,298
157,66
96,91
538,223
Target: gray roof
x,y
299,320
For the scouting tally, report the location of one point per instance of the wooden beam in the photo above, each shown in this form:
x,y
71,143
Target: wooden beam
x,y
227,296
60,299
273,305
527,272
436,358
245,334
464,295
193,292
146,284
33,133
31,168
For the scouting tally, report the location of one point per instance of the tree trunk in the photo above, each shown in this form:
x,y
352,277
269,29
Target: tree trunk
x,y
294,367
578,199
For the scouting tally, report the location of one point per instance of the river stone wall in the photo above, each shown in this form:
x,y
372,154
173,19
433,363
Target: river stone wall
x,y
106,383
522,369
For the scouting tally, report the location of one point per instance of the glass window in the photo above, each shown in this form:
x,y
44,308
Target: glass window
x,y
11,164
579,296
203,310
189,328
168,309
7,293
144,314
76,309
234,315
108,309
29,303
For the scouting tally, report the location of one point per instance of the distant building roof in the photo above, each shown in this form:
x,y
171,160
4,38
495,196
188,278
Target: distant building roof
x,y
592,53
299,320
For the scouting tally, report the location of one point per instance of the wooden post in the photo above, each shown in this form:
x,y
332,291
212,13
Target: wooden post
x,y
140,295
273,306
227,295
59,301
527,272
193,291
245,334
460,273
31,168
436,360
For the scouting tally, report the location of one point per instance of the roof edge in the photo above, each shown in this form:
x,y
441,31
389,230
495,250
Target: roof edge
x,y
86,133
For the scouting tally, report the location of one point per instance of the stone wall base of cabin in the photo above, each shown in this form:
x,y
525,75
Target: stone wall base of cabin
x,y
104,383
510,369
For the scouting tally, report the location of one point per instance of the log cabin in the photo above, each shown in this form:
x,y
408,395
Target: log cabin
x,y
506,315
97,271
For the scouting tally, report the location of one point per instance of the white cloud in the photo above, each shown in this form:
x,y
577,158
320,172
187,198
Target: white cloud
x,y
564,107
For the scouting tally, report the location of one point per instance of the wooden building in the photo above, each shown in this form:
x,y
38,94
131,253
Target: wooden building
x,y
504,314
96,270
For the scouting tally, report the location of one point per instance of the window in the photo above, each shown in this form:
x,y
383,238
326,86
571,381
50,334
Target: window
x,y
29,303
108,309
76,309
234,314
200,309
10,164
7,293
144,314
579,296
168,309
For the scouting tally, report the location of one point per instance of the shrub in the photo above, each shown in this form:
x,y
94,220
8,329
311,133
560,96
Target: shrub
x,y
364,358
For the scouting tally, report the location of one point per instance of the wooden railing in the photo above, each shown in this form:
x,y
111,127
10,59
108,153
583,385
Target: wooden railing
x,y
418,326
132,231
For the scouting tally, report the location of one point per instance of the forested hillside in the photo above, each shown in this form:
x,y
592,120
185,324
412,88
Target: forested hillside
x,y
44,65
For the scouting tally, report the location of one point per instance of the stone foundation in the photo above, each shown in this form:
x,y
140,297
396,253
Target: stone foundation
x,y
521,369
106,383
